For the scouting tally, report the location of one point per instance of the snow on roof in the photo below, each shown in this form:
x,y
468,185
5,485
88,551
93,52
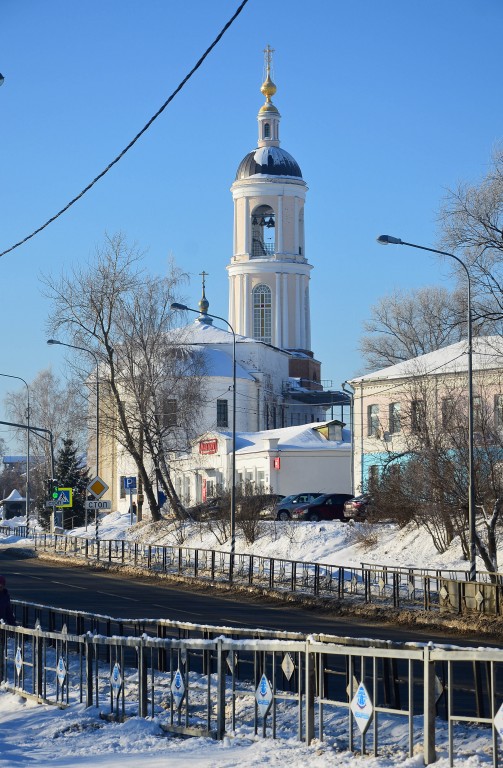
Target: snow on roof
x,y
487,354
204,332
299,438
219,363
14,496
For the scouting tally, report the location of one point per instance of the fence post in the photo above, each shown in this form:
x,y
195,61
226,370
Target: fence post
x,y
39,661
89,670
142,680
220,691
2,656
429,754
310,689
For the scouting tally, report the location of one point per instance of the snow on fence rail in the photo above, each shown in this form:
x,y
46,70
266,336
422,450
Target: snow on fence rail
x,y
401,587
200,681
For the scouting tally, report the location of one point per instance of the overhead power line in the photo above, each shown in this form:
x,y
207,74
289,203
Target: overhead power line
x,y
133,141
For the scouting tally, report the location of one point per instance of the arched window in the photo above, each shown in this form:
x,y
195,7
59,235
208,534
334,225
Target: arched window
x,y
262,313
267,131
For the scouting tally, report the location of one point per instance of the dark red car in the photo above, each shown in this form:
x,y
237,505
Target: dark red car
x,y
329,506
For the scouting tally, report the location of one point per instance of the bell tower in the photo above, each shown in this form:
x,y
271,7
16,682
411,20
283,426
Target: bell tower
x,y
269,272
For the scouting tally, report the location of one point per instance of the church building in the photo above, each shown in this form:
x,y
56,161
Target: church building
x,y
278,379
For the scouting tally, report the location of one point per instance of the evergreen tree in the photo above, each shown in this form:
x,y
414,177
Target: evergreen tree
x,y
70,472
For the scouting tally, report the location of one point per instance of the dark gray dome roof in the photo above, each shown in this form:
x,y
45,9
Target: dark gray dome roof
x,y
268,161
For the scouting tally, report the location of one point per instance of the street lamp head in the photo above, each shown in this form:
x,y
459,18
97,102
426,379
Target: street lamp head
x,y
388,240
176,305
53,341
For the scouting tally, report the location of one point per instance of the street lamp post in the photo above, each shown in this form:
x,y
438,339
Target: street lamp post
x,y
389,240
89,352
346,388
176,305
8,376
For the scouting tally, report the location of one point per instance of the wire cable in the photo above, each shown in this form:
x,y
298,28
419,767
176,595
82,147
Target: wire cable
x,y
138,135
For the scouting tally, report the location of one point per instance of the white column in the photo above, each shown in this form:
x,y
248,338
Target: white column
x,y
246,244
296,226
279,225
246,304
235,234
232,288
241,305
286,318
296,343
302,311
278,339
308,315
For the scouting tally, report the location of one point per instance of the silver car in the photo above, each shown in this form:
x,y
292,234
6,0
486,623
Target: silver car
x,y
284,507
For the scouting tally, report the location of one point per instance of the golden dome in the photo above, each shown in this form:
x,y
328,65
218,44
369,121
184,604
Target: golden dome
x,y
268,88
268,107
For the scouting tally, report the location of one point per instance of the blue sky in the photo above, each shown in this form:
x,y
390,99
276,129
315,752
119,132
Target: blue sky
x,y
385,105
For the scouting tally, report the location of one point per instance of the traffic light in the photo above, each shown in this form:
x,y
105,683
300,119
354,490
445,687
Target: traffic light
x,y
54,489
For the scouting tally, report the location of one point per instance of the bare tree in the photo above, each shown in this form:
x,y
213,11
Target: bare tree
x,y
55,405
472,225
404,325
151,400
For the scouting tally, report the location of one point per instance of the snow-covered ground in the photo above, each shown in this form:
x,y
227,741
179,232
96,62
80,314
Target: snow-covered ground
x,y
323,542
42,736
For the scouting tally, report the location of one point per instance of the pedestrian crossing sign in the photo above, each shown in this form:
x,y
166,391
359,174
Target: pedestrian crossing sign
x,y
65,497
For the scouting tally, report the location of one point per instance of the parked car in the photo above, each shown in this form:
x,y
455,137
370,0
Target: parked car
x,y
357,508
286,505
329,506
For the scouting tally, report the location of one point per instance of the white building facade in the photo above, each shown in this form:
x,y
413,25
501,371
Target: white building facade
x,y
283,461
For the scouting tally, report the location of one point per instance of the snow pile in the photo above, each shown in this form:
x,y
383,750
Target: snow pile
x,y
41,735
333,542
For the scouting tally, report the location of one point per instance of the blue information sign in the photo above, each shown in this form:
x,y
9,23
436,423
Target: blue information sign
x,y
130,483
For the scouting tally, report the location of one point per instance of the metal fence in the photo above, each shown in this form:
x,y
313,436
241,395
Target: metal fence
x,y
205,680
424,589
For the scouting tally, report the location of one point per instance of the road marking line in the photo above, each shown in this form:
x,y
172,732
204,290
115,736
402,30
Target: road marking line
x,y
119,597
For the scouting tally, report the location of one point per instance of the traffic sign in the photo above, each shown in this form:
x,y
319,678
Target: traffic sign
x,y
97,487
263,696
98,504
177,688
498,721
362,708
130,483
64,498
116,678
61,670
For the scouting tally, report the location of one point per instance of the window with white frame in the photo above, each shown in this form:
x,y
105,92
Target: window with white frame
x,y
447,412
373,420
169,413
373,476
418,416
222,413
478,417
262,313
498,411
394,418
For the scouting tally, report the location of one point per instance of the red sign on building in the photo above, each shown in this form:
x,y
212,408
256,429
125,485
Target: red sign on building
x,y
208,446
276,463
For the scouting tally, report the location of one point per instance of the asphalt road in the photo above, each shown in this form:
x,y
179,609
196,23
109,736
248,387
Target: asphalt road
x,y
80,588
